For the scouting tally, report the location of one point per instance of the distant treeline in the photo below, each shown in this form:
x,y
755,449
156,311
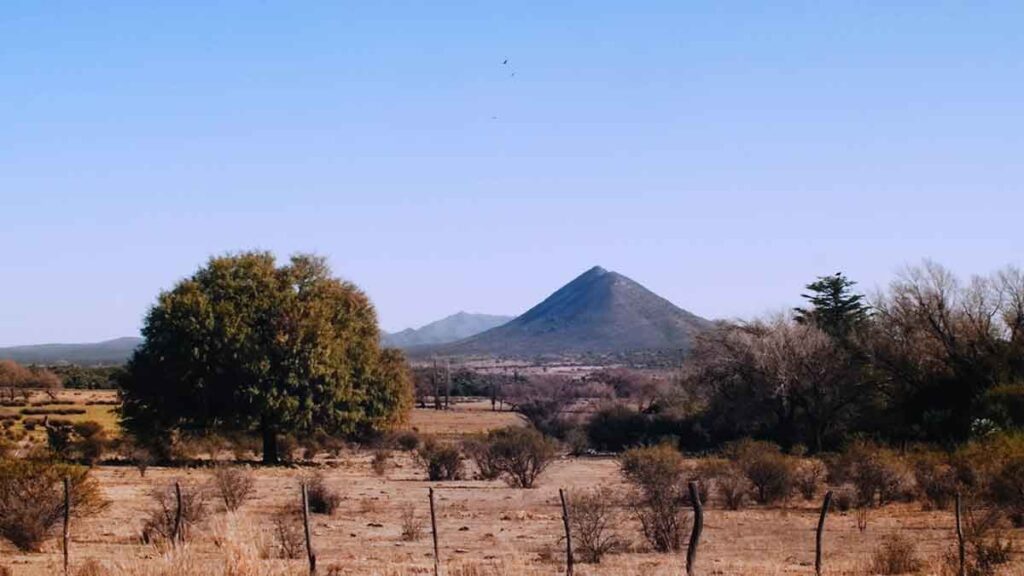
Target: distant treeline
x,y
14,375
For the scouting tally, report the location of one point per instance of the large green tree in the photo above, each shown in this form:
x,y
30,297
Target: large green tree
x,y
247,345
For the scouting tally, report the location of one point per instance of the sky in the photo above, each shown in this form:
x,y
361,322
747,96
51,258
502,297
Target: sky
x,y
721,153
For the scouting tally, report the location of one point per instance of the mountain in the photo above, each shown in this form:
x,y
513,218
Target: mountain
x,y
114,351
450,329
598,312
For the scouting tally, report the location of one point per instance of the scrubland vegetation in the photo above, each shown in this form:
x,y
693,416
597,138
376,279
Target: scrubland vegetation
x,y
898,404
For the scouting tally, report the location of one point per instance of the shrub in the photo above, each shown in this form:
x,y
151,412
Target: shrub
x,y
936,480
322,499
160,524
521,454
897,555
478,450
288,534
441,461
412,525
844,498
577,442
770,471
616,428
379,463
878,474
809,475
32,499
732,485
142,458
659,494
407,440
234,484
591,517
1006,489
91,441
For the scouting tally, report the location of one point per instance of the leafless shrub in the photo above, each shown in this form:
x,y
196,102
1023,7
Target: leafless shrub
x,y
406,440
322,499
162,518
234,485
379,463
289,539
591,516
412,525
91,567
844,500
897,555
863,514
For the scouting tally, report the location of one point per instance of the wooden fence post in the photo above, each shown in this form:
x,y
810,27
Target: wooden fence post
x,y
698,527
176,535
310,553
433,531
960,536
67,523
568,534
819,534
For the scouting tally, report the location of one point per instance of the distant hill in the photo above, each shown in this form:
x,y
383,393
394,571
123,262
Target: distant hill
x,y
114,351
450,329
598,312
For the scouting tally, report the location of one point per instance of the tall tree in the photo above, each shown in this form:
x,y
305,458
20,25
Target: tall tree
x,y
835,308
246,345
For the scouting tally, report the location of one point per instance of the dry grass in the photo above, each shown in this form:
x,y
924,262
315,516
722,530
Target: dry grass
x,y
486,528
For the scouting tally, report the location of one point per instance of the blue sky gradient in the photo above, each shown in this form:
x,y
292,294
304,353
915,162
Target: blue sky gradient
x,y
721,153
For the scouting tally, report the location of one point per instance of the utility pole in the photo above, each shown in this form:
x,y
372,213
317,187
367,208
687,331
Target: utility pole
x,y
447,381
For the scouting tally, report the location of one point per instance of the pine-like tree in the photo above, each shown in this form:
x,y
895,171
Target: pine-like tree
x,y
835,308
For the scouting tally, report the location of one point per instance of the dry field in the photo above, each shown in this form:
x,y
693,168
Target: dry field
x,y
486,528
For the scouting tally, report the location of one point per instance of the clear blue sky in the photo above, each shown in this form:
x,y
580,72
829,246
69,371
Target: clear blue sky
x,y
721,153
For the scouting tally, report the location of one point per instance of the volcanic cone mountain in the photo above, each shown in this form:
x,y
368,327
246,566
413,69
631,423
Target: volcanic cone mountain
x,y
598,312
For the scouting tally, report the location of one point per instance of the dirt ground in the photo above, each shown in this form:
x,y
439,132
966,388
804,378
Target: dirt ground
x,y
485,527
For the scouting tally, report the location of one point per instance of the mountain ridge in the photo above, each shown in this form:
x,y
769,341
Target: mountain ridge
x,y
451,328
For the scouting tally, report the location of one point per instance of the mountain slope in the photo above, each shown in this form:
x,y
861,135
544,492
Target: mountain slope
x,y
450,329
598,312
114,351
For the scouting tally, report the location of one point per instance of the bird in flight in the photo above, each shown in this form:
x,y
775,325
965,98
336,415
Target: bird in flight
x,y
505,61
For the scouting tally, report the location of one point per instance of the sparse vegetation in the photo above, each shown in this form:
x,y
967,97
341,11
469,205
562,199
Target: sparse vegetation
x,y
592,521
519,454
160,524
897,555
234,484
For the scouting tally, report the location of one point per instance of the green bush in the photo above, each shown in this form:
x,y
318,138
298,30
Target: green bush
x,y
32,499
520,454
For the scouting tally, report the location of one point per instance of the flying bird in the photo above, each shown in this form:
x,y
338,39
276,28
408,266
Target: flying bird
x,y
505,62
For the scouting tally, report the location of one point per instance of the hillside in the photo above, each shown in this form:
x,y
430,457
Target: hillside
x,y
114,351
450,329
598,312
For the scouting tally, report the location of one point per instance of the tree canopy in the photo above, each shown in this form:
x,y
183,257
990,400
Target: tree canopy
x,y
247,345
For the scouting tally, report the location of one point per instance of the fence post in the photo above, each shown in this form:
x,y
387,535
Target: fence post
x,y
433,532
177,536
310,553
568,534
960,536
698,527
821,532
67,523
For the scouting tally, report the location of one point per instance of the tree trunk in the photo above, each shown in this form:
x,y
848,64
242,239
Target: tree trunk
x,y
269,441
